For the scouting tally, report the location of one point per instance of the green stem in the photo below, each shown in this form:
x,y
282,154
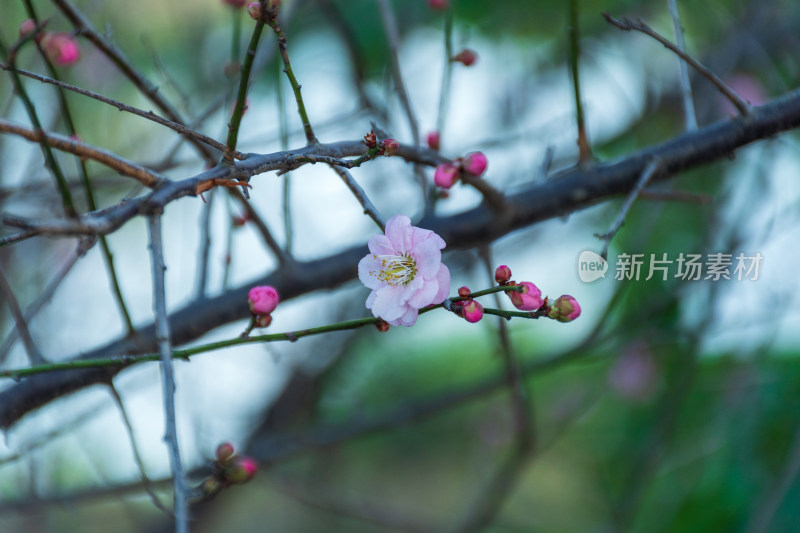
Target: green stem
x,y
241,96
291,336
69,122
61,182
585,151
287,68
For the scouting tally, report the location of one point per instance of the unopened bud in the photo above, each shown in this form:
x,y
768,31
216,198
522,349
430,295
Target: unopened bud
x,y
445,175
371,139
565,309
472,311
224,452
466,57
262,299
464,291
241,470
502,274
433,140
61,48
390,147
529,299
263,321
474,163
438,5
27,27
382,325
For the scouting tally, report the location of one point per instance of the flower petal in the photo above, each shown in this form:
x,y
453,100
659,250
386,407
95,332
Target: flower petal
x,y
408,319
397,231
443,277
425,295
369,269
387,303
371,299
380,245
428,257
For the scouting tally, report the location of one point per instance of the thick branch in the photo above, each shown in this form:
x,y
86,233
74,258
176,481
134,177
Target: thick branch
x,y
566,192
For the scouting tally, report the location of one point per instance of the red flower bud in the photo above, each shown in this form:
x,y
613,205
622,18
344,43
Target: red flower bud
x,y
390,147
565,309
466,57
433,140
472,311
502,274
224,452
464,291
445,175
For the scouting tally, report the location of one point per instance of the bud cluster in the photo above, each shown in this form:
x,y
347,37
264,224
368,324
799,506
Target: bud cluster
x,y
529,298
228,469
447,174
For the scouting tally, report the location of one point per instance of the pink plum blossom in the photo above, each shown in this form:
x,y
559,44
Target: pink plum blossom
x,y
405,272
565,309
61,48
474,163
263,300
530,299
445,175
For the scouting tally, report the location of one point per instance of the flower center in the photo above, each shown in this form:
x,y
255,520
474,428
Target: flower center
x,y
397,269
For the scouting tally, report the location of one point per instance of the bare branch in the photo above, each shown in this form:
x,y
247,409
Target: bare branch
x,y
361,196
627,24
181,491
686,87
34,355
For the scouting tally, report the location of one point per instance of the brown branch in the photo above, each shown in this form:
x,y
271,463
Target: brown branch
x,y
627,24
65,144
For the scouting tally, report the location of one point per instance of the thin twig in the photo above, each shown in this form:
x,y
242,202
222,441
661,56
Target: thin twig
x,y
584,149
167,375
149,115
650,170
361,196
311,139
205,247
39,135
241,95
444,93
34,355
45,297
676,196
146,177
627,24
690,118
146,483
85,28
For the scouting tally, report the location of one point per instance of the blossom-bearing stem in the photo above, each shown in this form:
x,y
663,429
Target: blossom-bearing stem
x,y
129,360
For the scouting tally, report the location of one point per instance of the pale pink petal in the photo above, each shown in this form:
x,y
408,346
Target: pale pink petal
x,y
418,235
397,231
387,303
443,277
371,299
368,270
380,245
428,257
408,319
425,295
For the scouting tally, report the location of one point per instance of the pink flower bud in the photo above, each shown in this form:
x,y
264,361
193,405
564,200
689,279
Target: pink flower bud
x,y
438,5
27,27
254,10
224,452
235,3
390,147
433,140
474,163
466,57
241,470
445,175
472,311
502,274
530,299
565,309
464,291
61,48
263,299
